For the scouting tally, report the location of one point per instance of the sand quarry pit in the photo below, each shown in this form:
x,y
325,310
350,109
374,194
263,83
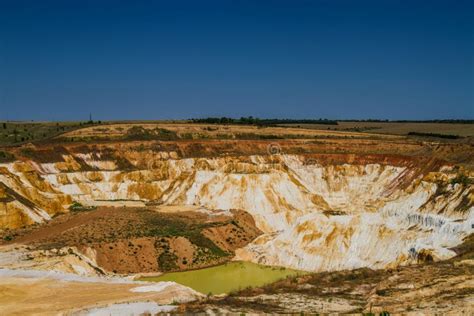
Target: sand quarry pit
x,y
125,209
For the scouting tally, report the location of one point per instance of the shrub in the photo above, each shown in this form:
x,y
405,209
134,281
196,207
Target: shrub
x,y
462,179
6,157
381,292
167,261
78,207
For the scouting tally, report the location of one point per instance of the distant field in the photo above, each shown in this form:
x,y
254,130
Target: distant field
x,y
463,130
173,131
13,133
24,132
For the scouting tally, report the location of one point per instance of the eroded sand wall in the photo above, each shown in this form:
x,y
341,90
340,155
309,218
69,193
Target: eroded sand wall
x,y
317,213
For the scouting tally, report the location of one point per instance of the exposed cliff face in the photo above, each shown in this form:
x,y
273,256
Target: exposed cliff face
x,y
317,212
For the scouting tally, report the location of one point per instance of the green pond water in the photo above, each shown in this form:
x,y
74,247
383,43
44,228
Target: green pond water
x,y
228,277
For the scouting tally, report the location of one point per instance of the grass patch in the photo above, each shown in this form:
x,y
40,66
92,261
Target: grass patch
x,y
174,227
78,207
12,133
140,133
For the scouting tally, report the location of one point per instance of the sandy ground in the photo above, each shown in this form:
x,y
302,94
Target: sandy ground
x,y
44,296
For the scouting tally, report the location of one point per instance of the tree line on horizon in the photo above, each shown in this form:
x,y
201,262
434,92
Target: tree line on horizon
x,y
447,121
250,120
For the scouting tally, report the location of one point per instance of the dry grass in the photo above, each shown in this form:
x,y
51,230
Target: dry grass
x,y
203,131
13,133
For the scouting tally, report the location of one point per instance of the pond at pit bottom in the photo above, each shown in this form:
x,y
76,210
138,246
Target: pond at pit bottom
x,y
226,278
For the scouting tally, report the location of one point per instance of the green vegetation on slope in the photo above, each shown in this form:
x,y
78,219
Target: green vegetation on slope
x,y
12,133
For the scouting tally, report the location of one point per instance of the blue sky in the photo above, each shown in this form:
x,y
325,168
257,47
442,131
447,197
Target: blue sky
x,y
61,60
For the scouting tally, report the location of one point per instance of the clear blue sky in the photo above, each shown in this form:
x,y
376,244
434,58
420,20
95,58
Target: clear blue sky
x,y
60,60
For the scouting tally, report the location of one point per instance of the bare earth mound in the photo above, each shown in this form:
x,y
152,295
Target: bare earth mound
x,y
131,240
